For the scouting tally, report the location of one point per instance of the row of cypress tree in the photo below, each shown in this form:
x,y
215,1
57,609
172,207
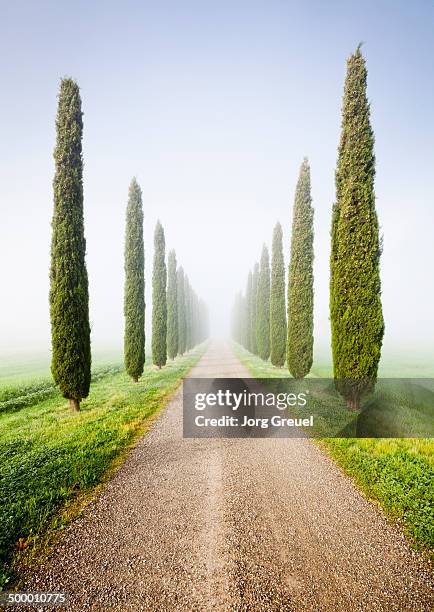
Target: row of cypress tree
x,y
179,318
261,322
357,324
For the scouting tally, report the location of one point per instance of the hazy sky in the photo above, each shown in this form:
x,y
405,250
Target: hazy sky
x,y
212,105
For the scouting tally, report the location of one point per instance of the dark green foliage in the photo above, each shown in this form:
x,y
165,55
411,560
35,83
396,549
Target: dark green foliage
x,y
300,280
355,290
134,291
193,321
248,312
69,293
172,307
182,322
277,301
263,307
159,304
254,299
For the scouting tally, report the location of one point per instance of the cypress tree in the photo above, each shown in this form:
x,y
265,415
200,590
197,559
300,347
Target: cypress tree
x,y
263,307
255,278
203,310
69,291
194,315
300,280
244,321
134,292
188,313
159,304
236,318
248,313
172,307
277,301
355,290
182,323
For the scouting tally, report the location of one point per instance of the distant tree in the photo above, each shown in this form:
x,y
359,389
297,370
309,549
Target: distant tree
x,y
196,319
204,322
182,322
244,321
237,316
134,291
188,313
255,279
69,293
194,315
248,312
355,289
172,307
159,304
263,307
300,280
277,301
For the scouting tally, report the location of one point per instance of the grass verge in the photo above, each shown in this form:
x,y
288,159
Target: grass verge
x,y
398,473
53,459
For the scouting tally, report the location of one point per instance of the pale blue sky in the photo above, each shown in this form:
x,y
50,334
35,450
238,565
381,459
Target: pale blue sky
x,y
213,106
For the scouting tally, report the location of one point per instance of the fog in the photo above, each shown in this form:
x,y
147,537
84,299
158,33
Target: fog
x,y
212,110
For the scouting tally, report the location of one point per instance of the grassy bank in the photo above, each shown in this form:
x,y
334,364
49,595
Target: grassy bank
x,y
397,473
51,456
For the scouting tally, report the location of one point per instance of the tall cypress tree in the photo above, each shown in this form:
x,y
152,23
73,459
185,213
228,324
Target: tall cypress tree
x,y
300,280
134,292
159,304
248,313
263,307
172,307
277,301
255,279
69,292
182,323
355,290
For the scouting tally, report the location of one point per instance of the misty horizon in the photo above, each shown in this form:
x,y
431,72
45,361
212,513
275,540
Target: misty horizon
x,y
215,129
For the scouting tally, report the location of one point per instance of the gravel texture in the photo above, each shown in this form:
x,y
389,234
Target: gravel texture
x,y
233,525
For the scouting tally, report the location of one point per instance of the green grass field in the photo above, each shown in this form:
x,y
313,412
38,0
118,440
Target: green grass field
x,y
398,473
51,457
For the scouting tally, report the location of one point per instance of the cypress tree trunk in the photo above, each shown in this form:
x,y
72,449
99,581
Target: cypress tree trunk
x,y
300,280
134,292
69,292
355,290
277,301
182,323
263,307
255,279
159,304
248,313
172,307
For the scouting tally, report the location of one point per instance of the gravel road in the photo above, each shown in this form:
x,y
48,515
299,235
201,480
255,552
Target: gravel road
x,y
233,525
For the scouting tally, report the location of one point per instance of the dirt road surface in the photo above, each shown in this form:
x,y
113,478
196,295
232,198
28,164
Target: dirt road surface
x,y
233,525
